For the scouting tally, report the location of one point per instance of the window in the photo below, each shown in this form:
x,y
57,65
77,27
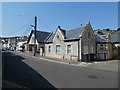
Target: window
x,y
57,36
57,49
68,49
101,47
32,40
49,49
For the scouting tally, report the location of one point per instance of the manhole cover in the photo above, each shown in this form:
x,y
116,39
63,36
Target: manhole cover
x,y
92,76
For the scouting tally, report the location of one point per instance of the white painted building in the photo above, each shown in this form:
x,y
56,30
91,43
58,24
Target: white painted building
x,y
40,44
20,44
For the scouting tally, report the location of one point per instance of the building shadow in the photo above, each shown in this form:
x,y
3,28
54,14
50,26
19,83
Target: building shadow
x,y
19,73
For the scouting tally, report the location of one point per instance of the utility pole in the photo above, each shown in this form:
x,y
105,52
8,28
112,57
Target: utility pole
x,y
35,35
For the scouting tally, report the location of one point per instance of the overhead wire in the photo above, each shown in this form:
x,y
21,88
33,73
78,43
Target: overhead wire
x,y
19,29
26,31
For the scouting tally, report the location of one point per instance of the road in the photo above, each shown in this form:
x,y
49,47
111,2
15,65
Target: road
x,y
35,73
0,70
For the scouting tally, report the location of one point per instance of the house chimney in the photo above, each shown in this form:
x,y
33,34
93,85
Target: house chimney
x,y
109,46
88,23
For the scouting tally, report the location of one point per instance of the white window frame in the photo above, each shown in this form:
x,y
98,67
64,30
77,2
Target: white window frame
x,y
69,49
32,39
58,50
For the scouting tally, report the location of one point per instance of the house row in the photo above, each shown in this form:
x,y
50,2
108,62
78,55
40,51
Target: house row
x,y
12,43
107,44
80,44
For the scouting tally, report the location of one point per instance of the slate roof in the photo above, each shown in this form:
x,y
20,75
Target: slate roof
x,y
40,36
74,33
50,38
100,37
69,34
115,38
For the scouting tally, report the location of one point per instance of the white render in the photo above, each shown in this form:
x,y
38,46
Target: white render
x,y
31,40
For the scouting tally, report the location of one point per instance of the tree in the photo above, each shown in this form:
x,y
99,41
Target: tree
x,y
108,29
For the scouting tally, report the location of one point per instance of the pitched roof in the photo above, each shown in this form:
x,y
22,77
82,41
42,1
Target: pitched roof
x,y
50,38
69,34
40,36
100,36
74,33
63,32
115,38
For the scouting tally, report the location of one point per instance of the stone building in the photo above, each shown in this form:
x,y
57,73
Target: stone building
x,y
75,44
107,44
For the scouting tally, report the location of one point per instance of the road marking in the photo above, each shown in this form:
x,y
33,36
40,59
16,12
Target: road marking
x,y
85,64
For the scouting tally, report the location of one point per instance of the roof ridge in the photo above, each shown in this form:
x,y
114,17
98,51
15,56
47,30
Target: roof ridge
x,y
43,31
75,28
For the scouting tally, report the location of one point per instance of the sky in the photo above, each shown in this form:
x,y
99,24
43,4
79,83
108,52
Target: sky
x,y
17,17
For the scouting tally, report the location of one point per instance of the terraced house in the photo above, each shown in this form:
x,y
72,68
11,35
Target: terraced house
x,y
75,44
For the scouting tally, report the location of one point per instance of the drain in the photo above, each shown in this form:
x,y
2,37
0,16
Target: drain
x,y
92,76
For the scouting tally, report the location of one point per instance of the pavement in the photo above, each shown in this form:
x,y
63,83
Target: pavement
x,y
111,65
24,71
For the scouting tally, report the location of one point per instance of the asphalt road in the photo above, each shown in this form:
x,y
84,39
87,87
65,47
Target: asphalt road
x,y
27,72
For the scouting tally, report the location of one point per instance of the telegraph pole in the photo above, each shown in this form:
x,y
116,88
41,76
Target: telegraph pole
x,y
35,35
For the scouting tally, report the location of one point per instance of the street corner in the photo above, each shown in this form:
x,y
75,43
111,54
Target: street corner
x,y
84,64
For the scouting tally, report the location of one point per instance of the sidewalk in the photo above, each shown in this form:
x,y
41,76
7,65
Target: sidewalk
x,y
57,60
103,65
